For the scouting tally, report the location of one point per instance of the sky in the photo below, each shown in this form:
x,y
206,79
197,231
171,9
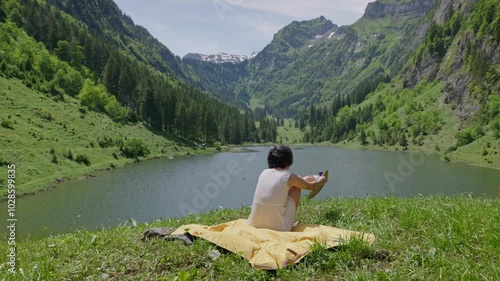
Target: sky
x,y
231,26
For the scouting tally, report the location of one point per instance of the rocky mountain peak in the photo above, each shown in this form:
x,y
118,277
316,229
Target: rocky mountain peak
x,y
298,34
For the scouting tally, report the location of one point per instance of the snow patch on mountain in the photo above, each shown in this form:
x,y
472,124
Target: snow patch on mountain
x,y
220,57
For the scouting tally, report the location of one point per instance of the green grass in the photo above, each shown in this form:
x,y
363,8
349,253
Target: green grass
x,y
482,152
254,103
431,238
40,131
290,134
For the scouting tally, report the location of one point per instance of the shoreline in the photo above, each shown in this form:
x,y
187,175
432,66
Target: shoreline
x,y
412,149
104,167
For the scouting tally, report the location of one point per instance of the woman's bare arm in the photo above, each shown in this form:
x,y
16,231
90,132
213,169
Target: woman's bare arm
x,y
305,182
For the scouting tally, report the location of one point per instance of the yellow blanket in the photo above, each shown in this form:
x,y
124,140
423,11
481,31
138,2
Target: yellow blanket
x,y
269,249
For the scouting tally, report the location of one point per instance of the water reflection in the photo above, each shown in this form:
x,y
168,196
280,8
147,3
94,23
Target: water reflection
x,y
170,188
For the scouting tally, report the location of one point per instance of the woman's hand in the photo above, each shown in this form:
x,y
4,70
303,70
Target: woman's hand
x,y
320,181
309,178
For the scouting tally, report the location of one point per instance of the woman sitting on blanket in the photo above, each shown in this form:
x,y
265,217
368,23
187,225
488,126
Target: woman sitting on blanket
x,y
277,194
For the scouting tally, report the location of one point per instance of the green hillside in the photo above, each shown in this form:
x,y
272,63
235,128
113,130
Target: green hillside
x,y
50,141
456,114
106,21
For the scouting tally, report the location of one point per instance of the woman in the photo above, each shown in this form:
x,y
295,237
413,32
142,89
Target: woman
x,y
277,194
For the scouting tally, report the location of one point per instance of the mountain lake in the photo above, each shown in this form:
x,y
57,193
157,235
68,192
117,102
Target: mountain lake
x,y
169,188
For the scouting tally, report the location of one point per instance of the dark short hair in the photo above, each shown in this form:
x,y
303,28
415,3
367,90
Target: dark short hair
x,y
280,156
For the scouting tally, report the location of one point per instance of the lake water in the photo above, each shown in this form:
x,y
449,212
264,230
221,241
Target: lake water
x,y
164,188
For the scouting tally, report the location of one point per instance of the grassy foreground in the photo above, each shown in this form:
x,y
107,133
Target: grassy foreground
x,y
426,238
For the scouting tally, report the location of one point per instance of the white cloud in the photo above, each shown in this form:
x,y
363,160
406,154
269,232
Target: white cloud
x,y
158,27
259,26
302,9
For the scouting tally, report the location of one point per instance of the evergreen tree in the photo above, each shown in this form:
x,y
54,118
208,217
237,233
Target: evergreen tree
x,y
126,86
111,75
236,133
403,141
181,122
362,138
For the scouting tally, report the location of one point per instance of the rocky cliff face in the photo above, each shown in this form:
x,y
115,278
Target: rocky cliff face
x,y
451,68
446,7
416,7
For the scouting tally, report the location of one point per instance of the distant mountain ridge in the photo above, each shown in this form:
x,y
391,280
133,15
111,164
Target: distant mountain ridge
x,y
230,86
220,57
419,71
316,61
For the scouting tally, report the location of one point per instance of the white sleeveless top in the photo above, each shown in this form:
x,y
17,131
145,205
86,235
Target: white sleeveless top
x,y
271,207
